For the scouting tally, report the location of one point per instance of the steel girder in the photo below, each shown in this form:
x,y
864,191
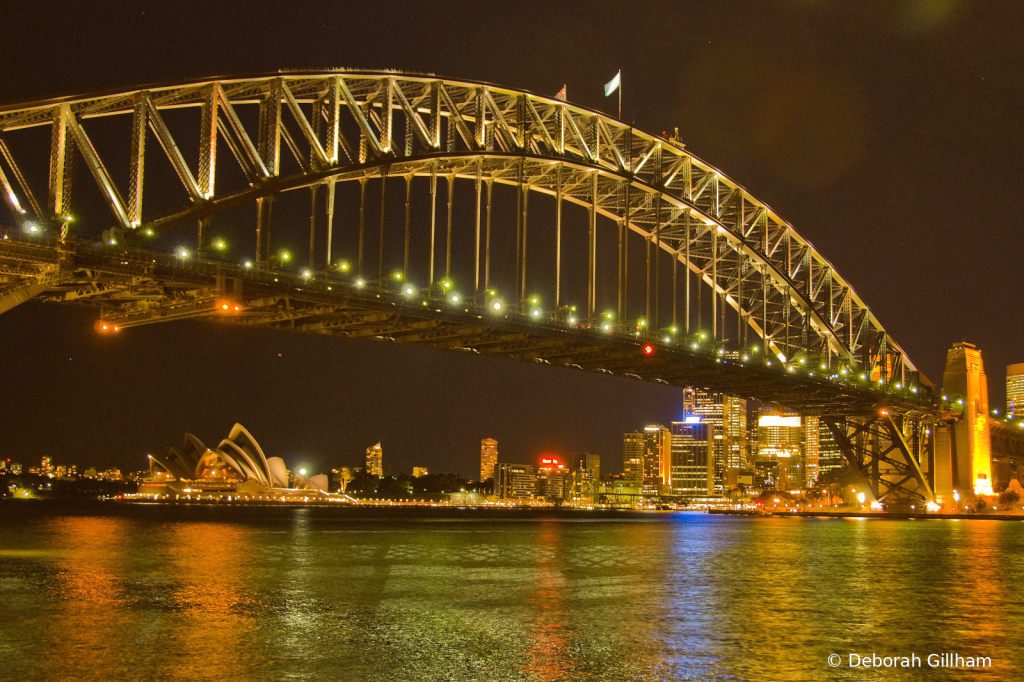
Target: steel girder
x,y
877,448
134,287
345,125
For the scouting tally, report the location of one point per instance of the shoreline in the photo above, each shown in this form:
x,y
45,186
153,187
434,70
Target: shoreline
x,y
379,506
883,516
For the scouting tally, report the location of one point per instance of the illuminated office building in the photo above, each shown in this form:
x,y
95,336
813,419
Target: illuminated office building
x,y
47,467
586,479
514,482
731,440
488,458
1015,390
554,481
830,457
419,471
811,436
375,461
646,459
692,458
735,441
779,440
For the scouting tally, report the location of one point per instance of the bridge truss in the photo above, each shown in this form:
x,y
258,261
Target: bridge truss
x,y
744,286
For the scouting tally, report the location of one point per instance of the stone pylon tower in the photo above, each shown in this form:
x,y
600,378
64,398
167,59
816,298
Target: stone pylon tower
x,y
971,456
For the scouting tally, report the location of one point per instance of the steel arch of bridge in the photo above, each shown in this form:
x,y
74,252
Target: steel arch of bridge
x,y
349,125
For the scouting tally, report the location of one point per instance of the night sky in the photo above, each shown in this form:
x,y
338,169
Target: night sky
x,y
888,132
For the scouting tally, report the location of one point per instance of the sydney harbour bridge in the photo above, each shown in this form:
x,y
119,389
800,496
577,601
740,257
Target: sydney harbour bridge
x,y
554,234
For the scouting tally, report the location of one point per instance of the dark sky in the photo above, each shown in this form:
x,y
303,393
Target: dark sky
x,y
888,132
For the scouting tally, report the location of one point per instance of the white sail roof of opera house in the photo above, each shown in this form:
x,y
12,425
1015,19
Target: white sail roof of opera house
x,y
236,458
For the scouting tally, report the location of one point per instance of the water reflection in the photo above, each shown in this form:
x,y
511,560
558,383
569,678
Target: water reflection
x,y
214,590
548,651
323,594
87,588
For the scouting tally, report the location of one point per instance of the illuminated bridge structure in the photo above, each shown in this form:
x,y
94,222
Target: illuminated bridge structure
x,y
564,237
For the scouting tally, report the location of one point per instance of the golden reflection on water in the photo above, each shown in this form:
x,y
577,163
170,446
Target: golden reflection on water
x,y
682,597
548,650
109,574
207,566
87,627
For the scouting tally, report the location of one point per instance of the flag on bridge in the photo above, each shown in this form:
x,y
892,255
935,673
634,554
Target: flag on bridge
x,y
613,85
561,94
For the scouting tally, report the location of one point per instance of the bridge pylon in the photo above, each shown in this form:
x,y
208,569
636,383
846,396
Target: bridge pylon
x,y
877,448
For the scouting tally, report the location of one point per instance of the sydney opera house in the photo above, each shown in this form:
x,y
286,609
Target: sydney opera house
x,y
237,467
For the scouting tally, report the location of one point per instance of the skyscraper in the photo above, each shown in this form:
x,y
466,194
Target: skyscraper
x,y
811,436
554,482
735,445
711,408
830,457
1015,390
488,458
586,478
47,466
646,459
375,461
779,437
514,481
692,457
633,458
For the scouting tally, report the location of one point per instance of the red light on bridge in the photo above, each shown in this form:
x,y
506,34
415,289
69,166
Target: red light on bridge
x,y
648,349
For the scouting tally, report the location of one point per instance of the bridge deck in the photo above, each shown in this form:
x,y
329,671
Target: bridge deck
x,y
135,287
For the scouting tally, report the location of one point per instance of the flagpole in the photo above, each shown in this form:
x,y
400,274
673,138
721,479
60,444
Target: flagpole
x,y
620,94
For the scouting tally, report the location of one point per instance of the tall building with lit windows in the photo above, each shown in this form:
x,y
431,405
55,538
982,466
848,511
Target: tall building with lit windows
x,y
488,458
586,478
811,436
731,444
830,457
779,444
47,466
554,480
646,459
1015,390
375,461
692,457
514,481
735,446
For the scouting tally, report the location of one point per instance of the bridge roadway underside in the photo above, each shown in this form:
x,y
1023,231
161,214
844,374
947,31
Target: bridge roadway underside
x,y
140,287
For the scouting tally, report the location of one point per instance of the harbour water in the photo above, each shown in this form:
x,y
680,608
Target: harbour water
x,y
101,591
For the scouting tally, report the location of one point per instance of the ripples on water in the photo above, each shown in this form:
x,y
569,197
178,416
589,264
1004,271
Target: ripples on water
x,y
107,591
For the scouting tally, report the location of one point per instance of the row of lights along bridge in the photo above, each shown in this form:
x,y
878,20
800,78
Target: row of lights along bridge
x,y
444,292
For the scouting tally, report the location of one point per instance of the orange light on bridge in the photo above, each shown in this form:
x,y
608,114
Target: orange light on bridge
x,y
106,327
229,307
